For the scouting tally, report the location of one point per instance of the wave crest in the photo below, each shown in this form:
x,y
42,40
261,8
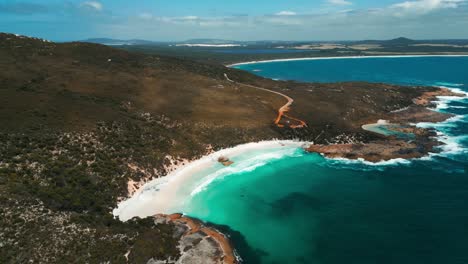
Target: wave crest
x,y
243,166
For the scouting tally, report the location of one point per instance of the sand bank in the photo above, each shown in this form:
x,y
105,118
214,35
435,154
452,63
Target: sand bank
x,y
341,57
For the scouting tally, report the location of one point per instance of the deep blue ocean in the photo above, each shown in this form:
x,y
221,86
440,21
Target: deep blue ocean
x,y
285,206
399,70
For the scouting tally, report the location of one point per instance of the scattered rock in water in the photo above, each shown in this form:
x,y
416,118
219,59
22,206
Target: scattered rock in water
x,y
225,161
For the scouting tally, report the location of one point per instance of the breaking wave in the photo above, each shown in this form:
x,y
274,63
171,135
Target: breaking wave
x,y
170,194
244,166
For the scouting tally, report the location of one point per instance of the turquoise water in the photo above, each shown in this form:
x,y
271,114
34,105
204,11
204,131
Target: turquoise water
x,y
303,208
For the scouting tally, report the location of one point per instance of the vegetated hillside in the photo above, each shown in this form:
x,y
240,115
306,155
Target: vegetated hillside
x,y
79,120
73,85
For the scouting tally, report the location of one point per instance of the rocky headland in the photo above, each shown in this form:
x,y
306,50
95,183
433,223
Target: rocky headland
x,y
428,98
388,147
198,243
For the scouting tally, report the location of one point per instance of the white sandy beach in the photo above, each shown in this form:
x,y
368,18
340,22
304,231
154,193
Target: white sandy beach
x,y
166,194
343,57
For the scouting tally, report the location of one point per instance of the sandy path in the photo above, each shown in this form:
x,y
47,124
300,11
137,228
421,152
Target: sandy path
x,y
281,112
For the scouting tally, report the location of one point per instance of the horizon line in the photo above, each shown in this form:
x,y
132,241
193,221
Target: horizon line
x,y
214,38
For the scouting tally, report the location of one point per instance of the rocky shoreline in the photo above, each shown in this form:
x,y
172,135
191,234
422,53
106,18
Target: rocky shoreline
x,y
198,243
391,147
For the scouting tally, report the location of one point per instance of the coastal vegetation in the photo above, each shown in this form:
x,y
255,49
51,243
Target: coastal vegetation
x,y
80,121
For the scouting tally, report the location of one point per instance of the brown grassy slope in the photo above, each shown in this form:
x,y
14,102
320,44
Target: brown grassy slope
x,y
332,109
349,105
74,85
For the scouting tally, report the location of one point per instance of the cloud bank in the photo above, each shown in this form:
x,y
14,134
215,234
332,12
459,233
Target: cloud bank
x,y
422,19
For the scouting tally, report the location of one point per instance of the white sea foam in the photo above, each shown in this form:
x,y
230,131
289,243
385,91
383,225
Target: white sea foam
x,y
458,107
370,165
452,144
451,122
443,102
448,84
343,57
455,90
246,165
168,194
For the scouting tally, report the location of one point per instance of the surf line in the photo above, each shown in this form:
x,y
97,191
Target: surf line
x,y
282,110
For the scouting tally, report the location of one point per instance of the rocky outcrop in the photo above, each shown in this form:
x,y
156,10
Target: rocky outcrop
x,y
391,147
416,114
225,161
198,243
427,98
376,151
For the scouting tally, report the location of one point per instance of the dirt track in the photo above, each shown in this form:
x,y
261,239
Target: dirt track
x,y
281,112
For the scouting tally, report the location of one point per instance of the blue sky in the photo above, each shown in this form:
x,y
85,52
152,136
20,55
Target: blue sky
x,y
235,19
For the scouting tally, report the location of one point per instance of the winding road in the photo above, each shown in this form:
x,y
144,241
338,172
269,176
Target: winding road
x,y
281,112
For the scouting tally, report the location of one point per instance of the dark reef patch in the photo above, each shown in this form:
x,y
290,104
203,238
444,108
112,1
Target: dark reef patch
x,y
248,254
293,202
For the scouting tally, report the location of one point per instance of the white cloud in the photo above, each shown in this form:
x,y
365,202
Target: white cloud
x,y
286,13
145,16
93,4
420,19
339,2
424,6
190,18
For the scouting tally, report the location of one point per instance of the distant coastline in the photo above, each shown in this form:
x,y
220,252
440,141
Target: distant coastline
x,y
344,57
